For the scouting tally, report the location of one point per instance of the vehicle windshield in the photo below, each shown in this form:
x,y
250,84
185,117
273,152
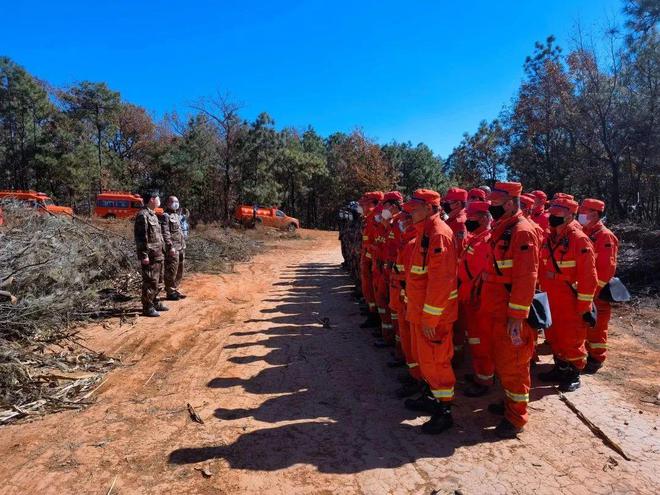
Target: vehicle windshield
x,y
280,213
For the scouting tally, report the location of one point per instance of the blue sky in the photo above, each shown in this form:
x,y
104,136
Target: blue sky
x,y
418,70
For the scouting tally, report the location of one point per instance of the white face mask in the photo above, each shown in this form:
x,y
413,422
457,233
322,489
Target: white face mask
x,y
360,210
387,214
402,226
157,202
378,218
175,205
582,218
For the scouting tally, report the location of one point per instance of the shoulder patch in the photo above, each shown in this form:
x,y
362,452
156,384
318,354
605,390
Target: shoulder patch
x,y
437,250
585,250
460,234
524,247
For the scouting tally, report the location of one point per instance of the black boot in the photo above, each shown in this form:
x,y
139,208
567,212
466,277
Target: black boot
x,y
556,374
173,296
497,408
570,382
592,366
408,389
372,321
507,430
476,390
440,421
424,403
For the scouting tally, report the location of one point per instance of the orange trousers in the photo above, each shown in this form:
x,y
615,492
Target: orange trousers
x,y
597,336
381,288
512,366
480,340
434,357
409,346
366,282
568,332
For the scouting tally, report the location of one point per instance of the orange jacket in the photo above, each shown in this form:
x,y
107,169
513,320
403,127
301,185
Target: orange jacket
x,y
398,278
509,280
540,233
606,247
392,243
573,270
432,279
541,218
472,262
377,247
368,234
456,222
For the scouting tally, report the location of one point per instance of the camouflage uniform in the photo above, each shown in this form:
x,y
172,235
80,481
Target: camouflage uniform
x,y
150,245
354,245
344,224
173,237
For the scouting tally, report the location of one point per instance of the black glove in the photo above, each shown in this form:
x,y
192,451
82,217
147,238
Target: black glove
x,y
589,318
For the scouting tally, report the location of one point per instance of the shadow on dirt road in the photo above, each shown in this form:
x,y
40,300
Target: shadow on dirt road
x,y
335,407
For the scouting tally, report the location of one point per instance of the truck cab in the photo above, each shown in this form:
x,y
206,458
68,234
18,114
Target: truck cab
x,y
35,199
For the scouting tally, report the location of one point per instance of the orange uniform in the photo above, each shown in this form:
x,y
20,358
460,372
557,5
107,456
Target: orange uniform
x,y
403,264
472,263
509,282
431,288
390,252
368,236
568,275
380,280
606,247
456,222
540,217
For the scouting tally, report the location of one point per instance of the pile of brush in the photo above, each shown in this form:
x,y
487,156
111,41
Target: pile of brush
x,y
55,272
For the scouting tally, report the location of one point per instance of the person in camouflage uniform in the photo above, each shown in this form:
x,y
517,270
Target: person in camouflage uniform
x,y
354,245
150,252
175,248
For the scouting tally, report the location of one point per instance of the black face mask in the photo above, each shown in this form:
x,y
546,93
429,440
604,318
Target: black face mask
x,y
496,211
555,221
471,225
446,207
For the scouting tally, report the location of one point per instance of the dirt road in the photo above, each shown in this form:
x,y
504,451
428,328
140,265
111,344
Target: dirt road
x,y
292,407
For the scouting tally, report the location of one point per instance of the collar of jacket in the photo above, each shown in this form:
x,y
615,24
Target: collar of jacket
x,y
457,214
502,225
594,228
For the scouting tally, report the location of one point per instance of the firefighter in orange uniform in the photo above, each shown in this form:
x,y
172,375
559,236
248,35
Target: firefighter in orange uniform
x,y
568,275
539,215
379,279
412,384
527,202
606,247
471,264
507,290
476,194
431,288
392,202
367,203
453,205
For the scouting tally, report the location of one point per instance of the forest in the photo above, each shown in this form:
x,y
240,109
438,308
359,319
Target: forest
x,y
584,120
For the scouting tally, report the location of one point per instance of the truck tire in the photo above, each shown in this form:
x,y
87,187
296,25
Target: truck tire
x,y
110,216
291,227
